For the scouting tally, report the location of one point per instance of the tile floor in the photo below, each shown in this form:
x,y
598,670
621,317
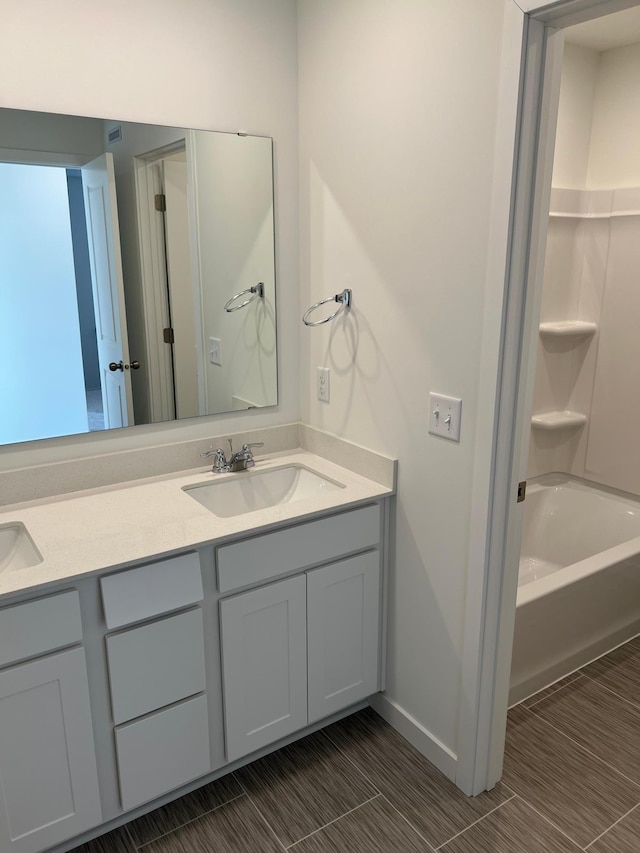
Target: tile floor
x,y
571,782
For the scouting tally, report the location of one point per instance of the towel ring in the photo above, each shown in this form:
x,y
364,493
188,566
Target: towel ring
x,y
345,299
257,291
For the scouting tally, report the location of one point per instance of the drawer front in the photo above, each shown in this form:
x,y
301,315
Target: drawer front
x,y
39,626
151,590
262,557
155,665
163,751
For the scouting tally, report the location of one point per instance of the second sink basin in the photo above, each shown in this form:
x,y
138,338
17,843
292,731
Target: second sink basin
x,y
243,493
17,550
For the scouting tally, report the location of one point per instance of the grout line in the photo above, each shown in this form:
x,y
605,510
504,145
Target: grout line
x,y
182,825
462,831
548,820
549,695
592,754
268,825
408,822
335,820
611,827
128,836
351,761
635,705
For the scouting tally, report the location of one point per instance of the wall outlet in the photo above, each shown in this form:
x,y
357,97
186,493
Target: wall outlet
x,y
444,416
215,351
322,383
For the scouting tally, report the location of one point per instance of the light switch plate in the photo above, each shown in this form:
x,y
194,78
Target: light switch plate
x,y
444,416
215,351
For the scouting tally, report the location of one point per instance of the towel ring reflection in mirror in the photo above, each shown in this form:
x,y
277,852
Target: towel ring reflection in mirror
x,y
345,299
257,292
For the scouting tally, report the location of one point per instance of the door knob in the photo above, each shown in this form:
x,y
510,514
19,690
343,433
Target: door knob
x,y
121,366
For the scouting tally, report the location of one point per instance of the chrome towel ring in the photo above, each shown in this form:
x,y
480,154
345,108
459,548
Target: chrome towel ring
x,y
257,291
345,299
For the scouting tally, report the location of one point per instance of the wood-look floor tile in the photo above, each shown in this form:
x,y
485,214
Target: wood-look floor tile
x,y
433,804
233,828
375,827
619,671
116,841
187,808
549,691
513,827
624,837
575,790
598,720
304,786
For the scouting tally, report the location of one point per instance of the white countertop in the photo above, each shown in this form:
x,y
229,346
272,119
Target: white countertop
x,y
85,532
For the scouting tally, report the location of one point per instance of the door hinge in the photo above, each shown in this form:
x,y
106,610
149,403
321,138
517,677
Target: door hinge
x,y
161,202
167,334
522,491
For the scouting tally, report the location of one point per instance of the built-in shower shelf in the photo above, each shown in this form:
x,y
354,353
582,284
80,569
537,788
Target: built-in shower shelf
x,y
558,420
568,329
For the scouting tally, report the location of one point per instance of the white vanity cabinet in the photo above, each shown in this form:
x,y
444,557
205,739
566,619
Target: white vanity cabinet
x,y
148,678
300,649
49,784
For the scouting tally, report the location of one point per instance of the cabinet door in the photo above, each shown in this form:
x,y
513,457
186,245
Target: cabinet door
x,y
264,659
343,633
49,789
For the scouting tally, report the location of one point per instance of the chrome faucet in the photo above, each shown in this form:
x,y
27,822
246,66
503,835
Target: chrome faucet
x,y
239,461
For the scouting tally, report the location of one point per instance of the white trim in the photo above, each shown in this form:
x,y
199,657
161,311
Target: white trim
x,y
159,372
425,742
471,768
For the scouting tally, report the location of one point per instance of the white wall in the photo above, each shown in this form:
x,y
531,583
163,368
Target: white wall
x,y
575,116
210,64
614,159
398,123
51,133
234,208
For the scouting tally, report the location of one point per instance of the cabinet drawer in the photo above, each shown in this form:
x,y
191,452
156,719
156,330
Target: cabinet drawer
x,y
151,590
262,557
163,751
155,665
39,626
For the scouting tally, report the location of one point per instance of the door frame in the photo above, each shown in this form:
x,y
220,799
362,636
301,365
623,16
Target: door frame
x,y
486,658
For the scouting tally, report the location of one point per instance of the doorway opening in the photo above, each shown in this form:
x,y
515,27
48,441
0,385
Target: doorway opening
x,y
532,204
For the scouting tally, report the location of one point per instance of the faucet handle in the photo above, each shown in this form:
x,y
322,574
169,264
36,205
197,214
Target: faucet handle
x,y
252,444
220,464
211,452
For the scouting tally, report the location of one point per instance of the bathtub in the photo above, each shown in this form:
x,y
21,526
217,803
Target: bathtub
x,y
579,580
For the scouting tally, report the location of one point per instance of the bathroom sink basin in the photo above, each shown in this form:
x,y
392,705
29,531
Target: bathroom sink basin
x,y
17,550
241,493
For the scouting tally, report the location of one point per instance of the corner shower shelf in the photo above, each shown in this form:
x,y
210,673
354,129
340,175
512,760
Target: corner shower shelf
x,y
558,420
568,328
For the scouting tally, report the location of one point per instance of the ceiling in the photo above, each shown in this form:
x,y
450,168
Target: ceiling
x,y
616,30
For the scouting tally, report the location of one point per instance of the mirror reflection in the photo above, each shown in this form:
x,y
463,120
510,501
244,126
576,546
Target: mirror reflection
x,y
137,274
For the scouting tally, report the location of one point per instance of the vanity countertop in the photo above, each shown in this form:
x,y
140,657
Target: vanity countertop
x,y
82,533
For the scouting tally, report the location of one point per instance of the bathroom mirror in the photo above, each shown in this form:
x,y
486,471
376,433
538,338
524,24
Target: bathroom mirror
x,y
137,274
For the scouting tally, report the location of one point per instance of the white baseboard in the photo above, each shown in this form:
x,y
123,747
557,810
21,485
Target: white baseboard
x,y
426,743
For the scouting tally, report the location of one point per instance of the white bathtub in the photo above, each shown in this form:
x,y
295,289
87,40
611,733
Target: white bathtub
x,y
579,583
